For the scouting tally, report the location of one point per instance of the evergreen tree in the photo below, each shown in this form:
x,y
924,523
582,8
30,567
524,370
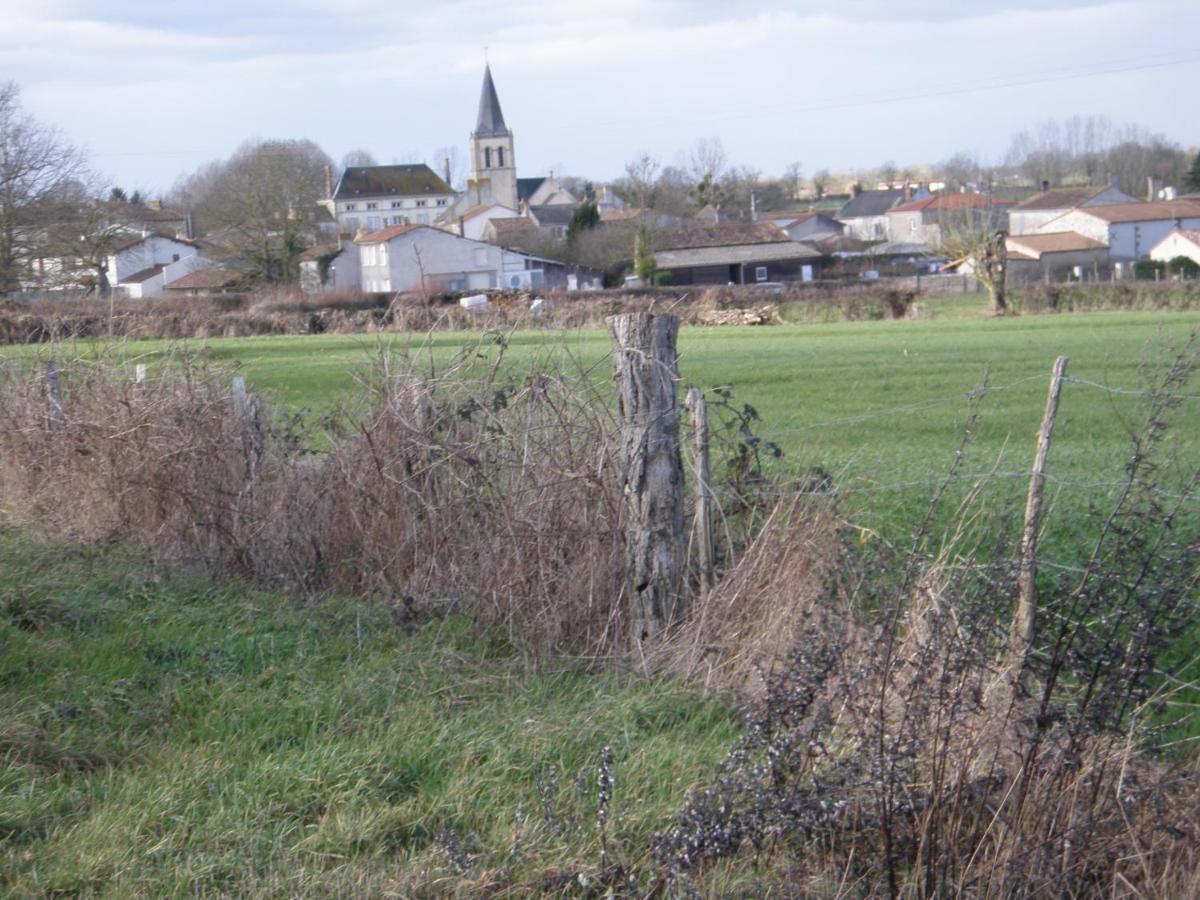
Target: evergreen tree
x,y
1192,179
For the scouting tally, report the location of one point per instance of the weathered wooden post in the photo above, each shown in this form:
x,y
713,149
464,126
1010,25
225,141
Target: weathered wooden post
x,y
1024,619
646,371
698,407
54,392
249,413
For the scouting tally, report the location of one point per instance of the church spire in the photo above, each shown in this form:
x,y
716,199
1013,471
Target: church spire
x,y
491,119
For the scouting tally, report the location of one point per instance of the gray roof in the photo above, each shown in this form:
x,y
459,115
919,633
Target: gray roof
x,y
389,181
734,255
490,122
527,187
870,203
555,214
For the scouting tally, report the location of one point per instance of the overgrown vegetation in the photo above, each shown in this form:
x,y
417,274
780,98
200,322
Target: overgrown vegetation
x,y
894,743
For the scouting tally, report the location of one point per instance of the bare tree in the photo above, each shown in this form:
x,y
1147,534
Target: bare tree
x,y
359,157
262,200
979,237
708,158
639,187
820,182
888,172
40,175
451,164
793,179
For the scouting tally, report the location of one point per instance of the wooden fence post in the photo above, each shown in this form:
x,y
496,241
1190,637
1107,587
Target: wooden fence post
x,y
249,413
698,407
1024,620
54,392
645,369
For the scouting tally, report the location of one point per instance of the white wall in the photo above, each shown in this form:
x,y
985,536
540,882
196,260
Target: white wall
x,y
152,251
447,261
1175,245
1134,240
1031,220
358,213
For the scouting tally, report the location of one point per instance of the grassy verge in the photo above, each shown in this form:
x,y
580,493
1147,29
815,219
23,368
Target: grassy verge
x,y
171,736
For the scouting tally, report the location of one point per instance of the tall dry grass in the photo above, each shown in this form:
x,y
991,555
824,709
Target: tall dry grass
x,y
456,490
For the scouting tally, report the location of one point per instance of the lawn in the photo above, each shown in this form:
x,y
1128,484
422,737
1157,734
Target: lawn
x,y
168,736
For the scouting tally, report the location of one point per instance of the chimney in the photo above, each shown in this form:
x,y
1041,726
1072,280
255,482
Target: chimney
x,y
1151,188
446,168
329,181
855,189
1045,185
907,191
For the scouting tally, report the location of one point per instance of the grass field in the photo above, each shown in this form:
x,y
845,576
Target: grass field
x,y
173,737
882,405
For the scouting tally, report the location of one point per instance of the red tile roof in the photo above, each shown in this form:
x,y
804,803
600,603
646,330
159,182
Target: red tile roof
x,y
949,202
383,235
1053,242
1145,212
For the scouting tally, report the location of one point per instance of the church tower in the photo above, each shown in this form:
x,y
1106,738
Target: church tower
x,y
493,163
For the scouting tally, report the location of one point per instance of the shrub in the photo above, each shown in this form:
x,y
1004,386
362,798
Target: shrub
x,y
1183,267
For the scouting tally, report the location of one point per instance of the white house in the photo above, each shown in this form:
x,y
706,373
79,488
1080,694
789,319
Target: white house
x,y
1129,229
368,198
472,223
330,267
1031,214
403,258
136,264
1178,243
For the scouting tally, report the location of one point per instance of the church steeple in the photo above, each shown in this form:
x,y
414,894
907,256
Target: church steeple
x,y
493,161
490,122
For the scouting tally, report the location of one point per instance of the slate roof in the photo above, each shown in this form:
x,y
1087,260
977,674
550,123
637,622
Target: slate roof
x,y
490,122
729,235
1054,242
870,203
389,181
143,275
527,187
689,257
1061,198
558,214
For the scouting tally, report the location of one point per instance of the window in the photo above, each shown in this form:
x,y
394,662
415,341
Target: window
x,y
760,273
373,223
399,220
422,202
383,256
500,157
442,202
397,204
174,257
372,205
422,218
349,207
912,224
487,157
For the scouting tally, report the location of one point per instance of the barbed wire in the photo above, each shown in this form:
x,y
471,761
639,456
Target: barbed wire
x,y
1127,392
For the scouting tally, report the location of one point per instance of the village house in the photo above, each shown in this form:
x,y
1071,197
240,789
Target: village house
x,y
402,258
733,254
802,225
926,220
368,198
330,266
1178,243
1031,214
864,215
473,222
1129,230
1055,256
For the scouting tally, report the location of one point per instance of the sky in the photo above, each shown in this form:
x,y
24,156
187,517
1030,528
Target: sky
x,y
155,88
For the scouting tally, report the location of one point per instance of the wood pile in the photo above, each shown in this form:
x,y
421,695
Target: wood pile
x,y
765,315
